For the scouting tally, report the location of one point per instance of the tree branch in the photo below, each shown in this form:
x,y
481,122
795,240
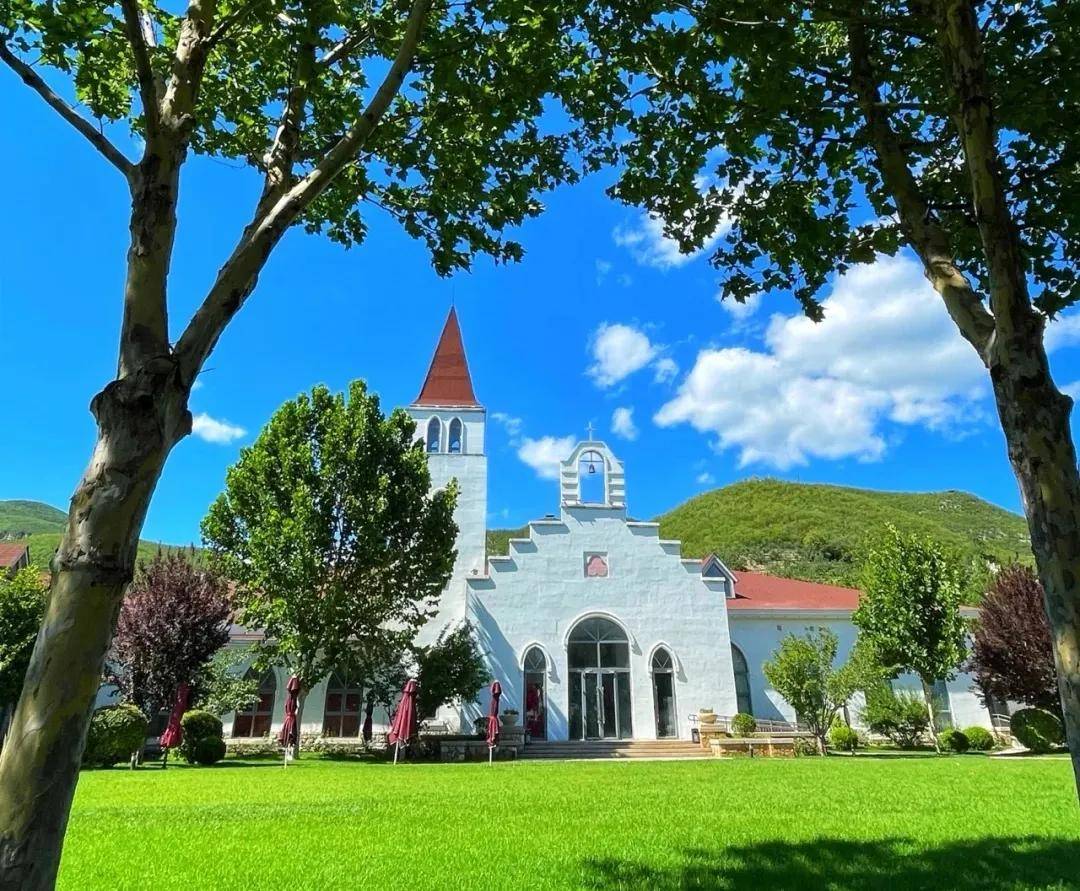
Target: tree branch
x,y
237,277
340,50
69,114
227,23
923,233
148,88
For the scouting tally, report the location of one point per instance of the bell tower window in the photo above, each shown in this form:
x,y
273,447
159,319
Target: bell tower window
x,y
434,435
456,442
591,472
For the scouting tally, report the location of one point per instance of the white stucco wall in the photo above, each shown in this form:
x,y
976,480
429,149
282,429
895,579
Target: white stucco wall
x,y
758,634
539,593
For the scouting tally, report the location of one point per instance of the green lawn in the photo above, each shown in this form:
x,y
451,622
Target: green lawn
x,y
863,823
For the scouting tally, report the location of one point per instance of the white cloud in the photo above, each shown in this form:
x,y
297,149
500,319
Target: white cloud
x,y
618,351
213,430
509,423
664,370
886,349
649,246
1071,390
603,267
741,311
1064,331
546,453
622,423
705,478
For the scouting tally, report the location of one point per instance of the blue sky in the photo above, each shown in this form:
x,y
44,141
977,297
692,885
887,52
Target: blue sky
x,y
603,322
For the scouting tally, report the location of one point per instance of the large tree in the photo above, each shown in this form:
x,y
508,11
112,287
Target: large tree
x,y
338,549
823,133
172,622
22,604
1012,650
433,111
909,614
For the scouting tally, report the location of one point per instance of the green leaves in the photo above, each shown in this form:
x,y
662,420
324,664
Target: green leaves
x,y
22,606
748,113
327,525
910,610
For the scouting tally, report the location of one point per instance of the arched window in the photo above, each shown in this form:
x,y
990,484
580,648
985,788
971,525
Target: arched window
x,y
456,443
434,435
663,677
742,681
591,474
255,721
536,693
598,658
344,702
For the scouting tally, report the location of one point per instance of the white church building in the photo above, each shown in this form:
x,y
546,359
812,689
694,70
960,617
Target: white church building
x,y
595,626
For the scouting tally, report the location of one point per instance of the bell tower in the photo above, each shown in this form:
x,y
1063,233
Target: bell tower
x,y
451,423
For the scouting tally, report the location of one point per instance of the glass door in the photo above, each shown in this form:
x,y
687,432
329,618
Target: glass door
x,y
664,693
591,705
610,709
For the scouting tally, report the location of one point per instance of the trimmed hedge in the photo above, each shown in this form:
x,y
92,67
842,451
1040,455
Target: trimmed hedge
x,y
116,733
953,740
743,724
1036,729
208,750
979,738
199,726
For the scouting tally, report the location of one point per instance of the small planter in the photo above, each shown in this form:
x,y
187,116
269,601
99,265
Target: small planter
x,y
707,716
509,719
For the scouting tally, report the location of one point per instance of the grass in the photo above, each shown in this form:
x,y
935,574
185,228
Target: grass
x,y
965,822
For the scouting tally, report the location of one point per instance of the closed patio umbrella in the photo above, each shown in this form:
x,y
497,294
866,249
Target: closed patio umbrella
x,y
290,731
367,721
403,727
174,734
493,719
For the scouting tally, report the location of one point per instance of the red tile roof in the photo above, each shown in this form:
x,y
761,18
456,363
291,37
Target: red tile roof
x,y
11,552
756,590
448,381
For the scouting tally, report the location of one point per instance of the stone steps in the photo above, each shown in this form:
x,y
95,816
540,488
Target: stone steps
x,y
613,749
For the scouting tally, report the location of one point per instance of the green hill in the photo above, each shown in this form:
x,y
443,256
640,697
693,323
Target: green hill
x,y
820,532
42,526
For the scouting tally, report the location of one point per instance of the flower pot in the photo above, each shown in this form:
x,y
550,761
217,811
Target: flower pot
x,y
508,720
707,717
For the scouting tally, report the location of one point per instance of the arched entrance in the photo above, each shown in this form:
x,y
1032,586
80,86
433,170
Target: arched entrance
x,y
742,681
536,693
598,660
663,682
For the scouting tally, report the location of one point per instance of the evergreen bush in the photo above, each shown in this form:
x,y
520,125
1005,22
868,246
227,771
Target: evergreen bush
x,y
743,724
1036,729
979,738
198,725
843,738
116,733
953,740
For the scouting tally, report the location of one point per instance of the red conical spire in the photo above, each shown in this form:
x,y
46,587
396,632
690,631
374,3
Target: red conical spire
x,y
448,381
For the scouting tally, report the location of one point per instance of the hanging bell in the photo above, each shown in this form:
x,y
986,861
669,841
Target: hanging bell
x,y
592,467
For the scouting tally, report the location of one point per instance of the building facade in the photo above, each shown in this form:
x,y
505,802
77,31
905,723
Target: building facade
x,y
595,626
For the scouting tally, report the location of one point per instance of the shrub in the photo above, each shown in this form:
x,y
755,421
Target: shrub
x,y
743,724
805,747
197,726
953,740
1036,729
979,738
209,750
900,717
116,732
843,738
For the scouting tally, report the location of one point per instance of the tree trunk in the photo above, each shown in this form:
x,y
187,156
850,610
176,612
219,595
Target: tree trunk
x,y
140,417
1035,418
928,698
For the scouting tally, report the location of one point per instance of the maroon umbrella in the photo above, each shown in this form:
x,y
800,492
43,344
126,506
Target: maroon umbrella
x,y
367,721
290,732
174,734
493,719
403,727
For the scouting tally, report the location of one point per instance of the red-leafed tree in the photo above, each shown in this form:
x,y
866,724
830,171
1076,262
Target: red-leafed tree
x,y
1012,654
173,620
